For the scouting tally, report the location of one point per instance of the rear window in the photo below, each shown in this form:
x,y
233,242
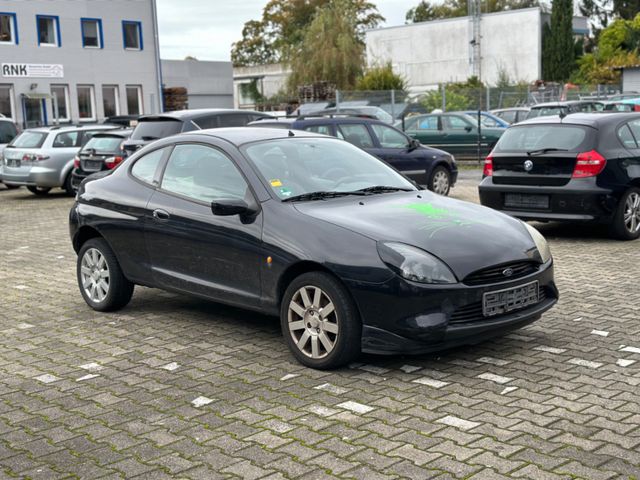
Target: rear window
x,y
154,129
527,138
104,144
546,111
7,132
29,140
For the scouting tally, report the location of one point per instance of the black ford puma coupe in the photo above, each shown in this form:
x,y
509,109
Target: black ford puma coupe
x,y
348,252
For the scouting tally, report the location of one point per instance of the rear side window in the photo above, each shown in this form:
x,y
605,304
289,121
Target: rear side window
x,y
428,123
66,140
454,123
7,132
323,129
534,137
29,140
634,126
356,134
234,120
154,129
626,137
145,167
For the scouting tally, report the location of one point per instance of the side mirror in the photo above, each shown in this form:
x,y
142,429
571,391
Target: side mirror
x,y
468,128
413,144
229,206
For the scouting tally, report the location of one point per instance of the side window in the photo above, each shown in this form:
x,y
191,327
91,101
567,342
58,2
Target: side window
x,y
389,137
202,173
323,129
626,137
356,134
66,140
428,123
634,126
489,122
508,116
208,122
455,123
145,167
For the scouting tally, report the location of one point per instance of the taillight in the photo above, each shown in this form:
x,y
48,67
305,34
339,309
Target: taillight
x,y
76,162
32,157
488,167
589,164
113,162
636,108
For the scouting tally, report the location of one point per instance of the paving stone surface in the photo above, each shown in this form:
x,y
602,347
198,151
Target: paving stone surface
x,y
175,387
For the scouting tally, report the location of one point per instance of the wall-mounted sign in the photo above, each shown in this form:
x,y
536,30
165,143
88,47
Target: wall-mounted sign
x,y
32,70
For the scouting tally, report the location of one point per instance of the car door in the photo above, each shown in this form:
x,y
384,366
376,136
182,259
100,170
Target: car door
x,y
393,147
190,248
427,129
459,135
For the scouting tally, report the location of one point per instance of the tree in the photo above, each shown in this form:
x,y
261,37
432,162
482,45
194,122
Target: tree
x,y
381,77
558,45
282,28
331,49
426,11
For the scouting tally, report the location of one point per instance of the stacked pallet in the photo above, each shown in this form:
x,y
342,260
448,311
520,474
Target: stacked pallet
x,y
316,92
175,98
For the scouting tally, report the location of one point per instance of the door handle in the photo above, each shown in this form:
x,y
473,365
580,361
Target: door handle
x,y
160,214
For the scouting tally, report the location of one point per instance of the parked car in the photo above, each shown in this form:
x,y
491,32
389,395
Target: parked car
x,y
456,133
512,115
487,119
153,127
376,113
430,167
42,158
584,167
103,151
260,219
627,105
564,108
122,120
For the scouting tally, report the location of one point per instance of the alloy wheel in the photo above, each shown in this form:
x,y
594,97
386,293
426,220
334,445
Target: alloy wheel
x,y
632,213
94,273
440,183
313,322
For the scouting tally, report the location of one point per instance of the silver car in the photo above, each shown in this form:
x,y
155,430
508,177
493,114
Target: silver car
x,y
42,158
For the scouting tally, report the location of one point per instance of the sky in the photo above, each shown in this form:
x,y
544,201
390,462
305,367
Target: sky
x,y
206,29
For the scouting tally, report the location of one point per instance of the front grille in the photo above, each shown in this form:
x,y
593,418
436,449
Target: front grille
x,y
473,311
496,274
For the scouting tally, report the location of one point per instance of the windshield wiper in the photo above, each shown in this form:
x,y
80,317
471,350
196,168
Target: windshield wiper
x,y
383,188
320,195
546,150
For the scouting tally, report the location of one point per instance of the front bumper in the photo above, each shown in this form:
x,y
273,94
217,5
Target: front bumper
x,y
579,200
405,317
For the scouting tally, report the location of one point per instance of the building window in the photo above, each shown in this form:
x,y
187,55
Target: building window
x,y
48,30
60,94
134,100
91,32
6,100
110,101
132,35
8,29
86,102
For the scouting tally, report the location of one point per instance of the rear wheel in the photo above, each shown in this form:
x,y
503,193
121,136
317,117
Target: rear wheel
x,y
440,181
39,190
102,283
626,221
320,322
68,186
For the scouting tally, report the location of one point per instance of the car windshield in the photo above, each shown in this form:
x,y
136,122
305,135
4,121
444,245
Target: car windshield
x,y
104,144
551,137
154,129
298,166
29,139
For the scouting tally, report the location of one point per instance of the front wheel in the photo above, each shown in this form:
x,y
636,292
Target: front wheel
x,y
440,181
626,221
102,283
39,190
320,322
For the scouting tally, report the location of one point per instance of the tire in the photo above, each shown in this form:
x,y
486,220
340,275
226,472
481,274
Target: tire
x,y
94,259
40,191
625,224
334,346
68,186
11,187
440,181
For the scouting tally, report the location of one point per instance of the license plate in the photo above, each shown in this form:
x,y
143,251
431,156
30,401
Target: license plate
x,y
92,165
13,162
521,200
507,300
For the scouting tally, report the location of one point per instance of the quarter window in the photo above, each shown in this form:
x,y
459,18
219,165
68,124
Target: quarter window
x,y
132,35
86,102
356,134
203,174
110,100
48,30
134,100
8,28
66,140
634,126
389,137
91,32
145,167
626,137
6,102
61,95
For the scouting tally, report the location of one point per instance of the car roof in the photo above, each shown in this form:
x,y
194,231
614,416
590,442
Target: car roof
x,y
182,115
594,119
323,120
241,135
564,104
510,109
66,128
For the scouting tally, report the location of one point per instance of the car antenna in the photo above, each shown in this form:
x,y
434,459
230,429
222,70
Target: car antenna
x,y
291,134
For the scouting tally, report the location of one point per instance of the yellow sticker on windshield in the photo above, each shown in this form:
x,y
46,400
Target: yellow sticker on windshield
x,y
276,183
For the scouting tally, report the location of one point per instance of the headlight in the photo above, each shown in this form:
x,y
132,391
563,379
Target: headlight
x,y
541,243
415,264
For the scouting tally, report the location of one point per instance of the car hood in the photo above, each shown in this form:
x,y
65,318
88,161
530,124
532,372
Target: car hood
x,y
466,236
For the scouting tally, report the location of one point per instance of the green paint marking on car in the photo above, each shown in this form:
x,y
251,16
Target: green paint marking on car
x,y
428,210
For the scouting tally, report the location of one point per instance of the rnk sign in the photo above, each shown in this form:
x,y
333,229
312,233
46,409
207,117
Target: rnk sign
x,y
32,70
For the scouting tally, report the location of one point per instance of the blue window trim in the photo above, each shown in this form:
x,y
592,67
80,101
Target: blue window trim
x,y
124,36
16,39
100,36
55,19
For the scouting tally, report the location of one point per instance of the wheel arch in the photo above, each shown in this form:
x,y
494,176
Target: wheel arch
x,y
84,234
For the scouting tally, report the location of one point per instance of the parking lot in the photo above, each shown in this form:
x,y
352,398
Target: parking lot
x,y
175,387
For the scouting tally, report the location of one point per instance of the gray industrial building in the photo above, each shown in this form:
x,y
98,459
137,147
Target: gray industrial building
x,y
208,84
78,60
